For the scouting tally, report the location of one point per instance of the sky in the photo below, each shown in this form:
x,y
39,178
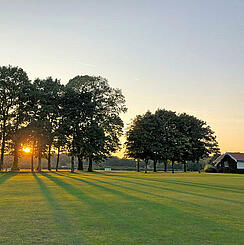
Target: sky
x,y
182,55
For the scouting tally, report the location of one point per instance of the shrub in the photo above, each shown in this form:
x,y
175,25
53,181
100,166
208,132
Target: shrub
x,y
210,169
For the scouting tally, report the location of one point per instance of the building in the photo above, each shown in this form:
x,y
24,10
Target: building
x,y
230,162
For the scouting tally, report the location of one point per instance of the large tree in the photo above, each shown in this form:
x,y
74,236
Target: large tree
x,y
169,137
76,108
103,126
15,108
200,141
141,142
48,113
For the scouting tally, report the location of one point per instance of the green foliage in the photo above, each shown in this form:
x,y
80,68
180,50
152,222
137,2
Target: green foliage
x,y
15,107
81,118
165,136
98,136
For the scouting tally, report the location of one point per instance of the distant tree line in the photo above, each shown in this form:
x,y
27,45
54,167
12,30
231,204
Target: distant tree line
x,y
168,137
81,118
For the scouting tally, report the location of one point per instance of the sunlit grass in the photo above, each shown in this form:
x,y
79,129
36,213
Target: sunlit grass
x,y
121,208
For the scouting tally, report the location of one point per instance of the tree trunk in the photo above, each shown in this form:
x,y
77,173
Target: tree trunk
x,y
198,165
3,144
165,166
32,157
80,163
49,158
138,165
15,165
185,167
72,164
173,169
90,165
154,165
32,162
39,168
58,158
146,162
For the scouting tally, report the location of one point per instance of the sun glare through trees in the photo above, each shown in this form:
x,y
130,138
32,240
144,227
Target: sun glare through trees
x,y
26,149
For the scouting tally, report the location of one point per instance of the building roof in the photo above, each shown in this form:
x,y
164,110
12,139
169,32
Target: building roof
x,y
237,156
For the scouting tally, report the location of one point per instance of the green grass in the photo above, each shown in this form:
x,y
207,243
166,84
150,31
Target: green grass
x,y
121,208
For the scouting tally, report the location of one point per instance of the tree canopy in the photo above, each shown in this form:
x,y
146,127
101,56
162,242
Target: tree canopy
x,y
81,118
169,137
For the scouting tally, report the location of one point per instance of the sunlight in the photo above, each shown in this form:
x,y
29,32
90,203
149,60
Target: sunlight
x,y
26,149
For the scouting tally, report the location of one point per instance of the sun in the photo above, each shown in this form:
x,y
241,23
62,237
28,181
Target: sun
x,y
26,149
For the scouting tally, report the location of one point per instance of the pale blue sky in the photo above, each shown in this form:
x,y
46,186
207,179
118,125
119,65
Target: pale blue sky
x,y
183,55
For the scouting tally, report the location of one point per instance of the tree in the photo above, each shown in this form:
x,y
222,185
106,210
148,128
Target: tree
x,y
141,141
167,136
60,139
48,95
200,140
102,127
75,110
15,104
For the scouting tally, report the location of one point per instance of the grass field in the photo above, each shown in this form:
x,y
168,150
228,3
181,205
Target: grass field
x,y
121,208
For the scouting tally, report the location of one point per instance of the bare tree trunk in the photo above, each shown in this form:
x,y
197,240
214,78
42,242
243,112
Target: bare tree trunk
x,y
72,164
32,157
173,167
138,165
32,162
146,163
185,167
58,158
80,163
3,144
165,166
39,168
49,158
198,165
154,165
90,165
15,165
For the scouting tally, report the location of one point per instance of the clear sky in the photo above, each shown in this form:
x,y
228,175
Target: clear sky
x,y
183,55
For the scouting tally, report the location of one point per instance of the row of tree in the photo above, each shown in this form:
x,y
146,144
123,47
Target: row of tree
x,y
168,137
81,118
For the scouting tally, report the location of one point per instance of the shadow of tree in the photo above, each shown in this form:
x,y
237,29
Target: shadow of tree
x,y
59,214
6,176
186,183
157,207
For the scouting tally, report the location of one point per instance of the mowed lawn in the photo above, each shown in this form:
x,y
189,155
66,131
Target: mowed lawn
x,y
121,208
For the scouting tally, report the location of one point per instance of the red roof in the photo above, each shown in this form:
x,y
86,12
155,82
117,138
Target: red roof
x,y
235,155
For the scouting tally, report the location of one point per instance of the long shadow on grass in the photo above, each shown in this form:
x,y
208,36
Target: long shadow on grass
x,y
169,189
186,183
182,202
60,216
154,205
177,216
5,177
180,191
166,189
144,192
114,191
112,212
